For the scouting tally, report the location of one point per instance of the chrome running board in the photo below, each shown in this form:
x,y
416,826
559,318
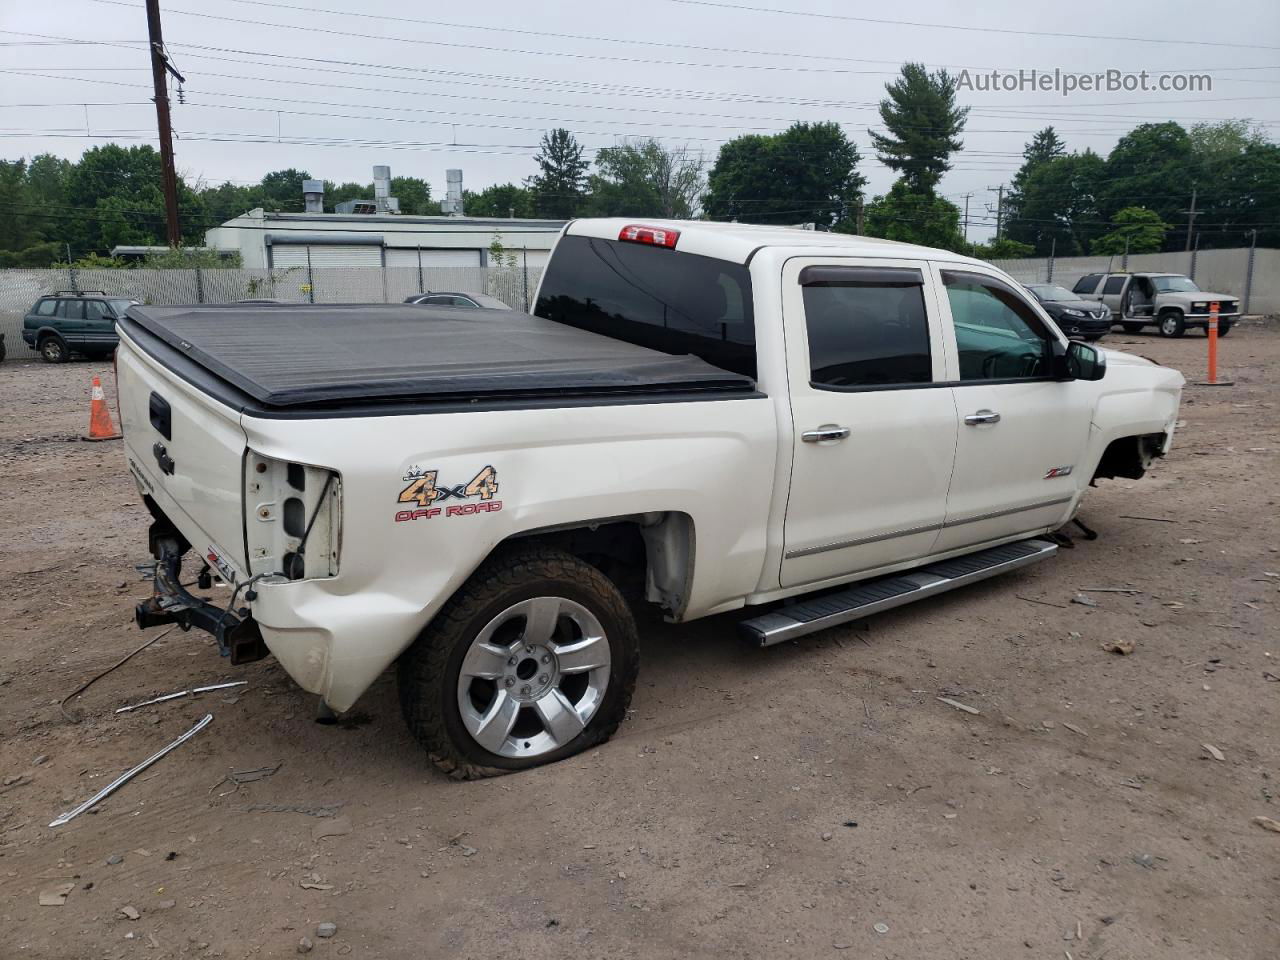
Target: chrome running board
x,y
895,590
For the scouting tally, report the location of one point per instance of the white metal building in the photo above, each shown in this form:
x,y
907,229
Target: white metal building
x,y
281,240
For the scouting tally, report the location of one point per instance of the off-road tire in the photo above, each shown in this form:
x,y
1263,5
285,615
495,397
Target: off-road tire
x,y
1224,327
53,349
427,673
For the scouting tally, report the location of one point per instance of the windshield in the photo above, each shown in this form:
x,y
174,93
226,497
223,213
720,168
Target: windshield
x,y
1050,291
1175,285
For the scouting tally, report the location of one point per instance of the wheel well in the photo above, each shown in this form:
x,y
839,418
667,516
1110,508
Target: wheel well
x,y
648,556
1129,457
46,333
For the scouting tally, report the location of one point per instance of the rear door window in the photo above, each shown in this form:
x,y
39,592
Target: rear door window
x,y
867,327
677,303
1114,284
71,309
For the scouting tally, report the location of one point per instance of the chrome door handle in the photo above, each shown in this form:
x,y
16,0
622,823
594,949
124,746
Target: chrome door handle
x,y
982,416
828,431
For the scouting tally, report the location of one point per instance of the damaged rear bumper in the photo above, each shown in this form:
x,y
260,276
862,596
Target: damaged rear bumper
x,y
236,631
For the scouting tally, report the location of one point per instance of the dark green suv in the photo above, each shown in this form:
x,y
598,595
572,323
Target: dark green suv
x,y
72,321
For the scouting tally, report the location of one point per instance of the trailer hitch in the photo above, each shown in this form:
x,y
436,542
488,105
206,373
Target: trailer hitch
x,y
237,632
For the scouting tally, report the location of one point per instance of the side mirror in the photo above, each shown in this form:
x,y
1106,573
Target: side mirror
x,y
1080,361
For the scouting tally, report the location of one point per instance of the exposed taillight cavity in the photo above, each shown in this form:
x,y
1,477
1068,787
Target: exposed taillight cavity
x,y
652,236
294,518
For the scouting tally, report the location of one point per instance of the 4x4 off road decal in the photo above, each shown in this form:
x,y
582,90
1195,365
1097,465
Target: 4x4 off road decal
x,y
424,490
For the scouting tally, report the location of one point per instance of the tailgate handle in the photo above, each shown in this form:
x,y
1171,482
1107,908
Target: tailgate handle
x,y
165,461
161,416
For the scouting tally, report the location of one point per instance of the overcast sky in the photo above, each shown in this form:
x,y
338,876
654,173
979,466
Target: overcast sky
x,y
491,77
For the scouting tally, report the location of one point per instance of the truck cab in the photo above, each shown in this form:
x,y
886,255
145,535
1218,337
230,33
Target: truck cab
x,y
805,427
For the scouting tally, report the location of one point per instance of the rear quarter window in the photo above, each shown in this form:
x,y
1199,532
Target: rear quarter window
x,y
45,308
677,303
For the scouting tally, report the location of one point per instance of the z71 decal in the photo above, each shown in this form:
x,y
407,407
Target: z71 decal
x,y
424,490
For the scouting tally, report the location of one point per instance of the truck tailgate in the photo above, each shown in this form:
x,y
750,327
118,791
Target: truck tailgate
x,y
186,451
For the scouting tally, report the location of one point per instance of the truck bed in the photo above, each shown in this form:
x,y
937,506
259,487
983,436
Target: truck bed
x,y
293,357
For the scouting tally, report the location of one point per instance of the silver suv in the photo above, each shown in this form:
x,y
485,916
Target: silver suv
x,y
1169,300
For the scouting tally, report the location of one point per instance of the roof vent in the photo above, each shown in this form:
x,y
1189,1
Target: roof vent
x,y
313,196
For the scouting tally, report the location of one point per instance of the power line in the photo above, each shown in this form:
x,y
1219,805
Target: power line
x,y
718,4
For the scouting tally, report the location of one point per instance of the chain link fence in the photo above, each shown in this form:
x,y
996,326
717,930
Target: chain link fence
x,y
20,289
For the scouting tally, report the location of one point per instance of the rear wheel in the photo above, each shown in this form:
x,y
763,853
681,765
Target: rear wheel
x,y
1172,324
1133,327
533,660
53,349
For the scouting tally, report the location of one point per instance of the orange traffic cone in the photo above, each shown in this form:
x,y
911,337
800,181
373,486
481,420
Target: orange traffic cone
x,y
100,425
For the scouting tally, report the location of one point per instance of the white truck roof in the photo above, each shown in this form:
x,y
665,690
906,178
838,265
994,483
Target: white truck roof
x,y
736,242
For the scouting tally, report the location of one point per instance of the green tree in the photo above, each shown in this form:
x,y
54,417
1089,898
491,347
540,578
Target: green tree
x,y
1060,204
1002,248
1221,152
923,126
499,200
915,216
414,195
281,190
807,173
559,186
1137,230
643,178
1250,198
1151,165
1046,145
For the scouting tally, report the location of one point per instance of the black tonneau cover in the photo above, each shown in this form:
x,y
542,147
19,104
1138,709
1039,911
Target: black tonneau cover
x,y
298,355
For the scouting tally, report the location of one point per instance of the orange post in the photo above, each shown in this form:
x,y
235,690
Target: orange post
x,y
1213,342
100,425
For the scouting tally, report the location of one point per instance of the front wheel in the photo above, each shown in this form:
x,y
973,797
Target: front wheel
x,y
1224,327
533,660
54,350
1172,324
1132,327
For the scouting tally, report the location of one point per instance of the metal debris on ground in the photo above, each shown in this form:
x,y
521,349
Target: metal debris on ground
x,y
880,928
959,706
1122,647
62,704
182,693
1214,751
239,777
1074,729
1266,823
129,775
1084,601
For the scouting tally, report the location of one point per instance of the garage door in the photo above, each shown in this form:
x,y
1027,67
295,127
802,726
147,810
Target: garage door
x,y
408,257
285,255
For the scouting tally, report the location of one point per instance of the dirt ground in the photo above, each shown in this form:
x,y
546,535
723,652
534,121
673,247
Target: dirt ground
x,y
813,799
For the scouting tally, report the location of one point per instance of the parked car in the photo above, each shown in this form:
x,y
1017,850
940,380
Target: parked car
x,y
441,298
74,321
1078,319
707,417
1170,301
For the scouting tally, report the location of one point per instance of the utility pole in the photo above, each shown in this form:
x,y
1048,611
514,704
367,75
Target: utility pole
x,y
1191,218
159,66
999,207
858,228
966,216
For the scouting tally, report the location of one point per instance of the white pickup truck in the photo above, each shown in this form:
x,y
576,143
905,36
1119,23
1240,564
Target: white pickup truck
x,y
708,417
